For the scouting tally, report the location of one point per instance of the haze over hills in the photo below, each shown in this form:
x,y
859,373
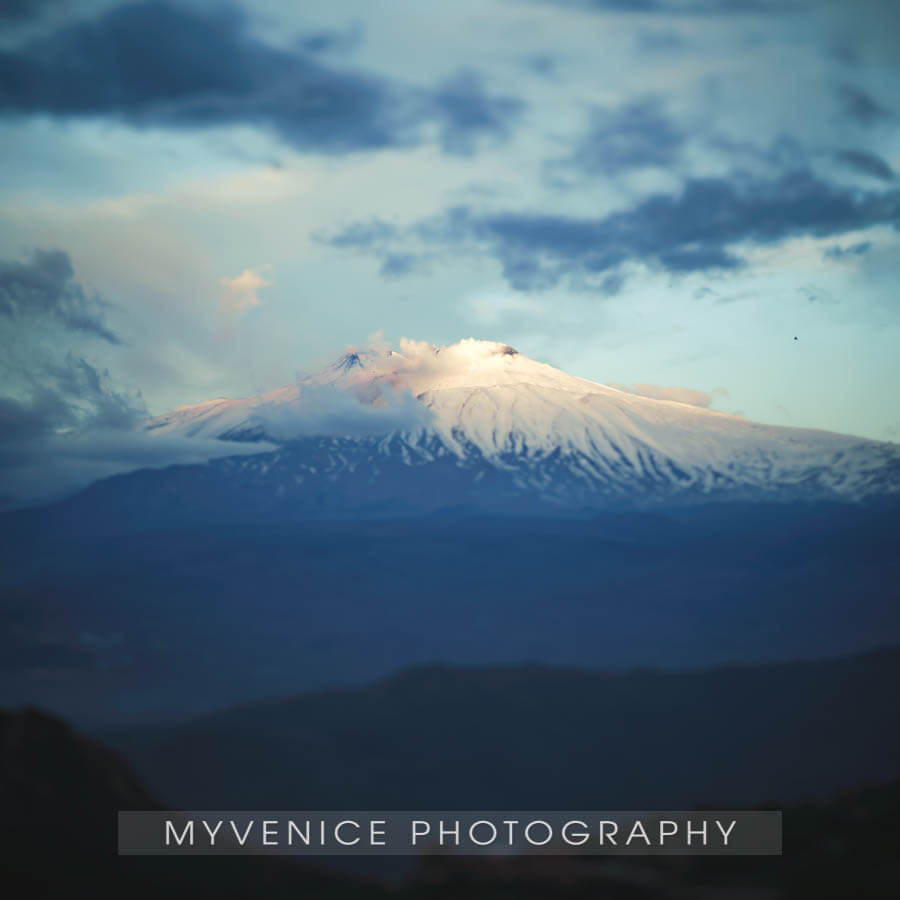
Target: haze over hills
x,y
478,423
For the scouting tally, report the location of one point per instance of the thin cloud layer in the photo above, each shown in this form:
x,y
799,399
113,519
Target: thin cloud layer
x,y
634,136
661,392
59,465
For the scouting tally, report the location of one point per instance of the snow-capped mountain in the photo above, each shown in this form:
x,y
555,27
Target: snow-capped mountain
x,y
479,422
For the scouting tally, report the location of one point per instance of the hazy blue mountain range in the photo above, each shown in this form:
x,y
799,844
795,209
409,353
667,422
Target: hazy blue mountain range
x,y
119,624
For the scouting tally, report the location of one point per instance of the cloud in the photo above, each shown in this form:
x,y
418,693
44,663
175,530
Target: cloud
x,y
701,228
240,293
335,412
634,136
859,105
397,264
45,286
74,426
683,7
676,394
660,40
21,10
867,163
361,234
64,422
376,236
65,398
59,465
543,64
165,64
155,62
467,112
815,293
837,252
331,40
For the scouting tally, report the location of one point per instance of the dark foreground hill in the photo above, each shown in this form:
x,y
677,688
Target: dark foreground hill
x,y
59,795
538,738
843,847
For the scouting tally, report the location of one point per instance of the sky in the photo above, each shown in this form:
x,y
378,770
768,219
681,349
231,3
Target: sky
x,y
201,200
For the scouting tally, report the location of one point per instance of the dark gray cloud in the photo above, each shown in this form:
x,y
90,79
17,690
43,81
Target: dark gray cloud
x,y
634,136
861,106
331,41
783,153
362,234
468,112
395,264
867,163
837,252
700,228
21,10
377,237
166,64
156,62
45,286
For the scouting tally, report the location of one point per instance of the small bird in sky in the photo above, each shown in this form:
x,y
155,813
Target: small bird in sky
x,y
796,338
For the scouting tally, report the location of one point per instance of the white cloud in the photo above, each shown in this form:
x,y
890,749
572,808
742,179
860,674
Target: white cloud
x,y
241,292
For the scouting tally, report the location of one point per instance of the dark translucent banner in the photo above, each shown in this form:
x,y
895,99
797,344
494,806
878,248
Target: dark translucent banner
x,y
381,833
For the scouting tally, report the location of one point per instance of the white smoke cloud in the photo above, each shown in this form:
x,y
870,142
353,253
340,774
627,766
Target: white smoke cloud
x,y
677,394
335,412
372,391
421,358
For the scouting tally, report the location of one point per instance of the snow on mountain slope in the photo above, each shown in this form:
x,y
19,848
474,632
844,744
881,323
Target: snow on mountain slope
x,y
484,404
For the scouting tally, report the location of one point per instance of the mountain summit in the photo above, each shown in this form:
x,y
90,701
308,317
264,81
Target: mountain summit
x,y
480,416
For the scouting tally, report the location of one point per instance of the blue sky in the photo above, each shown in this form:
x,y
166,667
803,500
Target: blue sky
x,y
199,200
